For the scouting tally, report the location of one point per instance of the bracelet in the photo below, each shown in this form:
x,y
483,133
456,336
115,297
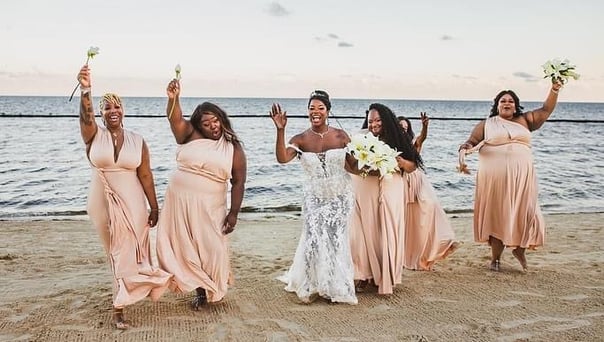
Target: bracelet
x,y
85,90
554,91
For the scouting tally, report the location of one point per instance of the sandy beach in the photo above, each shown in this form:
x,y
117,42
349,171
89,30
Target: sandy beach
x,y
56,286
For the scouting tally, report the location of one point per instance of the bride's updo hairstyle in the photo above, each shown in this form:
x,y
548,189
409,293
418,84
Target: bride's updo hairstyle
x,y
322,96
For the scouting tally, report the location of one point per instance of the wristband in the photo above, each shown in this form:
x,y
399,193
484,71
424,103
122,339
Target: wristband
x,y
85,90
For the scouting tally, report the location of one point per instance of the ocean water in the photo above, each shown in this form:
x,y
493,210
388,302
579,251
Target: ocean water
x,y
44,171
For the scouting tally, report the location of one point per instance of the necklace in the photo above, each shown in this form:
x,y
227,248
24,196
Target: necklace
x,y
115,137
320,134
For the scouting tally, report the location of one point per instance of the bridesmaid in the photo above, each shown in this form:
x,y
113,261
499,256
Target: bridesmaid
x,y
121,187
506,208
378,219
192,233
429,236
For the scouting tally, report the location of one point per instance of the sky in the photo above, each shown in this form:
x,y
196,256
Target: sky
x,y
379,49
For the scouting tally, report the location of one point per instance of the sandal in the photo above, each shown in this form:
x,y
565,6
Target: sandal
x,y
118,319
361,285
495,266
200,299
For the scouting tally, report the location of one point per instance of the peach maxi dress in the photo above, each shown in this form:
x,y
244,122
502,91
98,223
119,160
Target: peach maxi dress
x,y
117,207
190,242
376,230
505,203
428,233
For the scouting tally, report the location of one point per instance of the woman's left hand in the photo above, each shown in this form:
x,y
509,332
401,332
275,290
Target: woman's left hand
x,y
556,85
152,220
229,223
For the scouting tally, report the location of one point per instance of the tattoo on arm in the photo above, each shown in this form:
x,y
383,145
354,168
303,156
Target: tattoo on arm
x,y
86,111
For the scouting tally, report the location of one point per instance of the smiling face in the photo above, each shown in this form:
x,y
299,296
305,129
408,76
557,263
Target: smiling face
x,y
374,122
111,110
506,107
317,113
211,127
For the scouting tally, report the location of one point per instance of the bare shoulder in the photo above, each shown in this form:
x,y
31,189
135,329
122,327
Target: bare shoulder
x,y
298,138
340,133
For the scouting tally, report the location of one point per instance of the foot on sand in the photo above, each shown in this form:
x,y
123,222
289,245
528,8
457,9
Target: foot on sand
x,y
519,255
118,319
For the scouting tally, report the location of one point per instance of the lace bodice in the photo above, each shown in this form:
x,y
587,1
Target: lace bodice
x,y
325,173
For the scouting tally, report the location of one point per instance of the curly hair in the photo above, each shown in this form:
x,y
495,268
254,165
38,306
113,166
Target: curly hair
x,y
393,135
518,112
212,109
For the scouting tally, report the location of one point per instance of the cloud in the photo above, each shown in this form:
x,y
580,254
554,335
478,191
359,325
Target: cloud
x,y
276,10
462,77
446,37
527,77
331,37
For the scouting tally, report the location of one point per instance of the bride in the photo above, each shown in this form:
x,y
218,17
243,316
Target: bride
x,y
322,265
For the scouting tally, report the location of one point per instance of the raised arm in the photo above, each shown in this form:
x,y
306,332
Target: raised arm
x,y
181,128
279,117
145,176
537,118
88,125
238,178
424,133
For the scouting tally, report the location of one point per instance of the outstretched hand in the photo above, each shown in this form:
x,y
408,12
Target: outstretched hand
x,y
84,76
173,89
279,116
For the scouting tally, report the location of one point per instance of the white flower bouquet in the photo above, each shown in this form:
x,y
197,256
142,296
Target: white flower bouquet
x,y
373,155
560,70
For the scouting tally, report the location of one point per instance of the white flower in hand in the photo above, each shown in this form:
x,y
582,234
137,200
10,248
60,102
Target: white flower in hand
x,y
177,71
92,51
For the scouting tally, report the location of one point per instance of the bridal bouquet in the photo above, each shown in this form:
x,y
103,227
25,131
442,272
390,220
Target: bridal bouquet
x,y
559,70
373,154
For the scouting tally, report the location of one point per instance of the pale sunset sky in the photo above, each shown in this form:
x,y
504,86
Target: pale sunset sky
x,y
380,49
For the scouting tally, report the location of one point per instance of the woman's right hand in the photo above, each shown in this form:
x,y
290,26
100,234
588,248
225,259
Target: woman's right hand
x,y
84,77
462,167
173,89
279,116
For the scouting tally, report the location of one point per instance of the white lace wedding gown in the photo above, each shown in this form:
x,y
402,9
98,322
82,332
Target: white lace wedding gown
x,y
322,264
